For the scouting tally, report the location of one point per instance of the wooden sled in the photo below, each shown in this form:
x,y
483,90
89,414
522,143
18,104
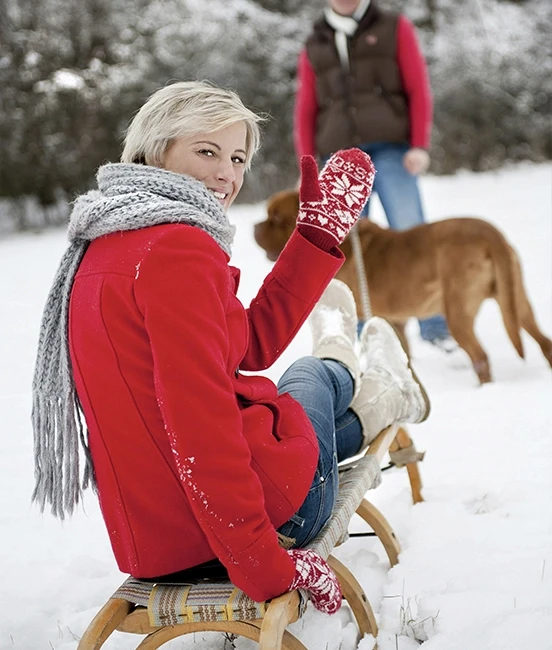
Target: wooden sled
x,y
164,612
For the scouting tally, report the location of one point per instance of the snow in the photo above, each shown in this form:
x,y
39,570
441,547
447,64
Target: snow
x,y
475,572
61,79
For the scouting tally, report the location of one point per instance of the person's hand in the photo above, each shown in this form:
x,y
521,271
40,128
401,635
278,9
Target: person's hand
x,y
416,161
315,575
330,204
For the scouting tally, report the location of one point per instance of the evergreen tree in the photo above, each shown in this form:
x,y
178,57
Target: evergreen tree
x,y
73,73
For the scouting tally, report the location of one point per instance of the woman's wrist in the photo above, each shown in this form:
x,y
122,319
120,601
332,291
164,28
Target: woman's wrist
x,y
319,238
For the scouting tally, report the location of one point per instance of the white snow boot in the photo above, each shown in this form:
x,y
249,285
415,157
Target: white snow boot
x,y
333,324
390,391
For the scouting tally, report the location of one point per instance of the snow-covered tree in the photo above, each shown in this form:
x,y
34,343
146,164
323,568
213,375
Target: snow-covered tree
x,y
73,73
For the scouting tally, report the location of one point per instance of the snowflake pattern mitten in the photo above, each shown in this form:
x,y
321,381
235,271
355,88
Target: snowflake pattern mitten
x,y
315,575
330,203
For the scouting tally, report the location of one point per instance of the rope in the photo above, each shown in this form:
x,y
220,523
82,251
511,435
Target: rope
x,y
361,273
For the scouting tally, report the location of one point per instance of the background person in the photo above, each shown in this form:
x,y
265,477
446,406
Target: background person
x,y
362,82
142,330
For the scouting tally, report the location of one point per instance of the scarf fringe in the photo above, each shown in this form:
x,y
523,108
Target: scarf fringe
x,y
59,432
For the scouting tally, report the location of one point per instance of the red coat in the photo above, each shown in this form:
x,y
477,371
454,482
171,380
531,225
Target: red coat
x,y
194,460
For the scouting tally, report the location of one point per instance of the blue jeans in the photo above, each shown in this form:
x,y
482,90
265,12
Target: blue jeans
x,y
400,197
324,388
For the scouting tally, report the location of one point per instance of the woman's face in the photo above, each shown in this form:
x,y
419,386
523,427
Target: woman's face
x,y
344,7
217,159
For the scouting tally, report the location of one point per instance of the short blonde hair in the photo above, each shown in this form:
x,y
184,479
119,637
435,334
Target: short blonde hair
x,y
184,109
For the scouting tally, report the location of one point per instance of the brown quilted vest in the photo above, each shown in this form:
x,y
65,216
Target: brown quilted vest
x,y
368,103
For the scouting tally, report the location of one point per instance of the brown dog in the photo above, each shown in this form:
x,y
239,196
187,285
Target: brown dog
x,y
446,267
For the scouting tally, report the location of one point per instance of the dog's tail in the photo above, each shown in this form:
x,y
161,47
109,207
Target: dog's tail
x,y
506,286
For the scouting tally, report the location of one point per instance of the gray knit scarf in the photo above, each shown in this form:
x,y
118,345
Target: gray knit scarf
x,y
129,197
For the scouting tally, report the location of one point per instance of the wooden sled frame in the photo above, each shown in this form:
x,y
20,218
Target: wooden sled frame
x,y
271,632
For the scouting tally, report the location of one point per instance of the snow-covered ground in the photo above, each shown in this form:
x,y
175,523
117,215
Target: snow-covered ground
x,y
476,568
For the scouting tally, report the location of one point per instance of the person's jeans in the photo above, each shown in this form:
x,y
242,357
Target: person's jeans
x,y
400,197
324,388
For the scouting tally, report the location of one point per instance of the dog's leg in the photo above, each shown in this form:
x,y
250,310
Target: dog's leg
x,y
461,327
461,309
462,331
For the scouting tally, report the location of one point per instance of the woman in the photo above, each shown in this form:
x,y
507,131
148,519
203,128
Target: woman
x,y
142,330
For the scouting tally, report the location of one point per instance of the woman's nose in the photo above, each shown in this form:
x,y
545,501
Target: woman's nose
x,y
226,171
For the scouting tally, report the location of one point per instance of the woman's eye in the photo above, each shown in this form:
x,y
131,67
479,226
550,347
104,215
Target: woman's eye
x,y
239,160
207,152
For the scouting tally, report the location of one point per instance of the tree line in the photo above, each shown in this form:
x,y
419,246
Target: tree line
x,y
74,72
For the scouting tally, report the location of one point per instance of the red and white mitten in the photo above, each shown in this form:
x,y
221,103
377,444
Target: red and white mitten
x,y
330,204
315,575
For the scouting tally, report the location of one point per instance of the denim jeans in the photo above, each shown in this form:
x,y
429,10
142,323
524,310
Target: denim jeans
x,y
325,390
400,197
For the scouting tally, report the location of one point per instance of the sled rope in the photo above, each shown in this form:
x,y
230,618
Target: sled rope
x,y
361,273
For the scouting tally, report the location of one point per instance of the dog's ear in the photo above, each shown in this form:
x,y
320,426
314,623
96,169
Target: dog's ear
x,y
275,215
283,207
289,206
295,202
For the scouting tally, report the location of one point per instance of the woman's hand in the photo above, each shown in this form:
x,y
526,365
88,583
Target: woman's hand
x,y
315,575
330,204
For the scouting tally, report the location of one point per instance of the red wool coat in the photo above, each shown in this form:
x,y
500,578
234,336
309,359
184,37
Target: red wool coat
x,y
193,459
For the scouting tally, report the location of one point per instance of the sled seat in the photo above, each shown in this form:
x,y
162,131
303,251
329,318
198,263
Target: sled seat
x,y
164,611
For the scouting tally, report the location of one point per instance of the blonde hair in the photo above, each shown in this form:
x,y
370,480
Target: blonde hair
x,y
184,109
